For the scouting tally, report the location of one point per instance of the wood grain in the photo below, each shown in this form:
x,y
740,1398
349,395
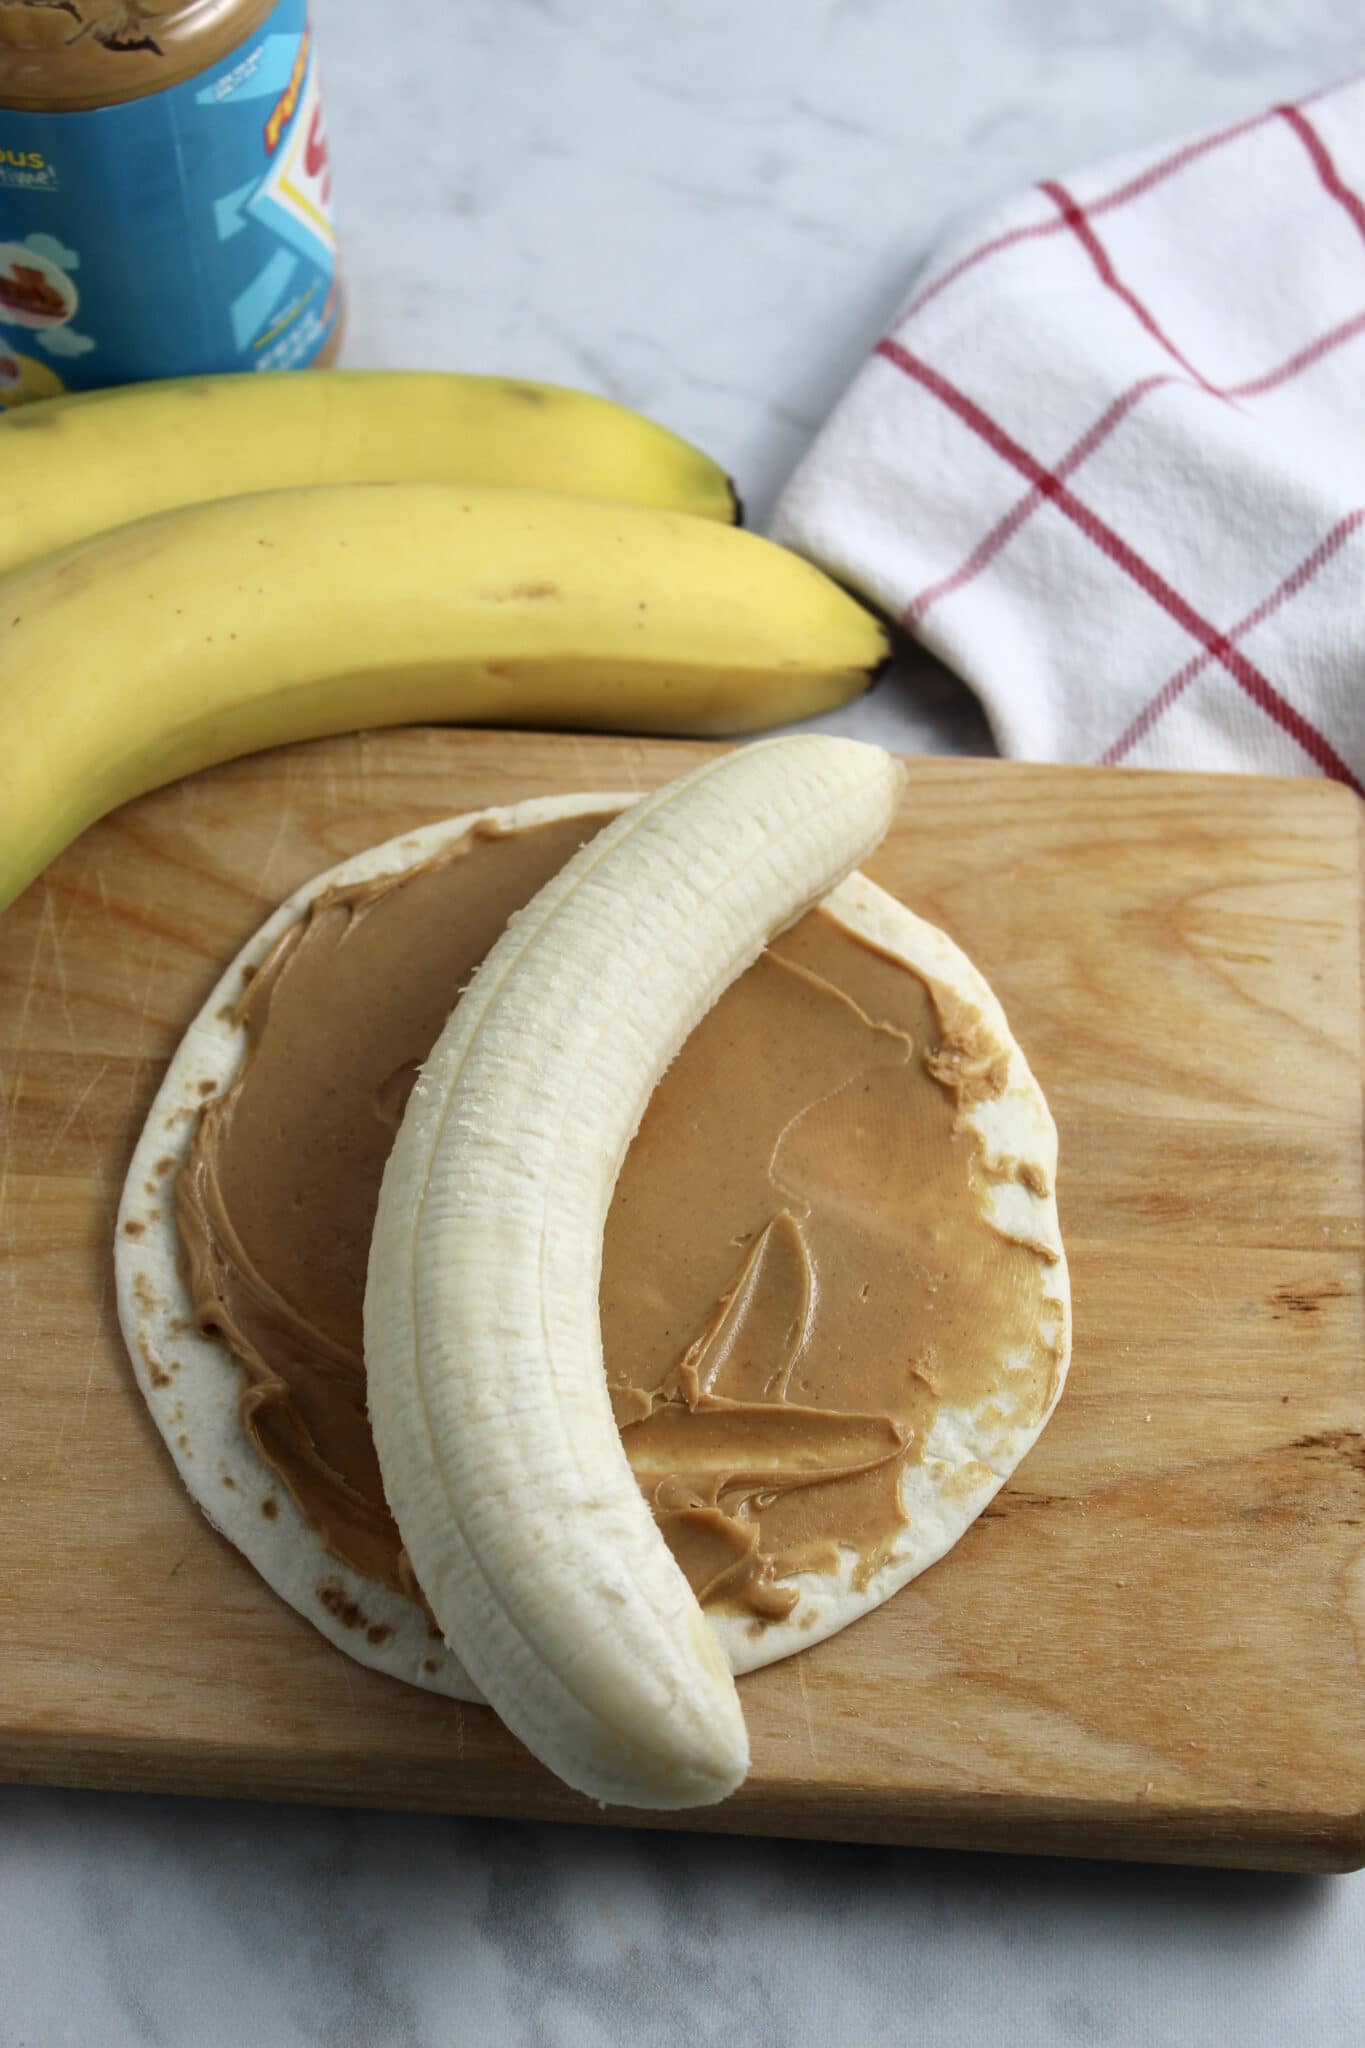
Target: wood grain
x,y
1151,1646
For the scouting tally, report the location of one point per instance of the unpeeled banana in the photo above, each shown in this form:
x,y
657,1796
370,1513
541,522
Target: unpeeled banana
x,y
487,1394
221,629
76,466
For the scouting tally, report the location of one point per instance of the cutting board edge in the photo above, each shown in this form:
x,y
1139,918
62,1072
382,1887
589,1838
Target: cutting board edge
x,y
1318,788
1229,1837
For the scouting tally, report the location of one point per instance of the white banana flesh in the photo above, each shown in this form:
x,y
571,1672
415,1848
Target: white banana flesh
x,y
488,1398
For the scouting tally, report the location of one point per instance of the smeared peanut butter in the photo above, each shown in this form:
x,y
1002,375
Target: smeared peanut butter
x,y
798,1270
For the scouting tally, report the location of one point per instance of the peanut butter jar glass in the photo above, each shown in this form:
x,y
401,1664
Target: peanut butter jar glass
x,y
165,193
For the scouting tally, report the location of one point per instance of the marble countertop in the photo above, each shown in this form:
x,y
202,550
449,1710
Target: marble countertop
x,y
705,210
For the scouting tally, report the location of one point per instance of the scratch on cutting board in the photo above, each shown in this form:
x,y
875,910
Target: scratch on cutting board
x,y
187,796
49,928
282,825
9,1264
75,907
10,1104
21,1026
329,788
106,1269
1177,1286
588,775
127,959
89,1378
74,1108
234,1672
636,764
627,777
805,1708
59,1442
145,1005
346,1679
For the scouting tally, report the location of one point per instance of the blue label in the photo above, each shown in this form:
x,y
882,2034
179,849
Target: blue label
x,y
186,232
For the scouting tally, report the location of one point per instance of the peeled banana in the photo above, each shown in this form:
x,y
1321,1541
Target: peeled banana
x,y
483,1350
77,465
161,647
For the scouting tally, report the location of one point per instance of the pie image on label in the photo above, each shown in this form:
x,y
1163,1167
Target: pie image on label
x,y
33,292
834,1299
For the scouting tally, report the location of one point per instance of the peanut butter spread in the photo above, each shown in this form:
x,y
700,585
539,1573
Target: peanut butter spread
x,y
798,1267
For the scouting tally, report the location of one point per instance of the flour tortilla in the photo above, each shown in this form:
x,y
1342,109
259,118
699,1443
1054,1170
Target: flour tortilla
x,y
191,1383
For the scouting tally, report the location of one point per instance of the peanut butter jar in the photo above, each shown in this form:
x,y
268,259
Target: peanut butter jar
x,y
165,193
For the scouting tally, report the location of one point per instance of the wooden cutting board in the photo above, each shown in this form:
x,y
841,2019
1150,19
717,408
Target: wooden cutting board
x,y
1150,1646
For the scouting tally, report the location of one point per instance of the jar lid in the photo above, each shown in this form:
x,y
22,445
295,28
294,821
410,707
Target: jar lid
x,y
67,56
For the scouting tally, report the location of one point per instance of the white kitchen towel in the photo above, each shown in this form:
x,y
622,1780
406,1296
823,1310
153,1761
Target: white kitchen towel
x,y
1108,462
